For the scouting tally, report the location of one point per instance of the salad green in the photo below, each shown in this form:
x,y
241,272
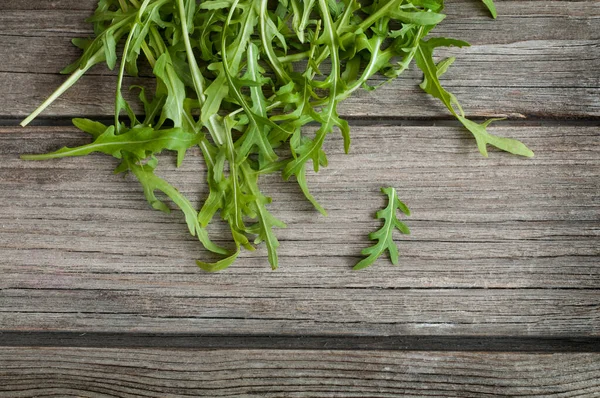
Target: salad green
x,y
242,78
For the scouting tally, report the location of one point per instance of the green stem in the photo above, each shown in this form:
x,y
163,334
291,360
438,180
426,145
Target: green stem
x,y
294,57
233,169
96,58
196,76
121,75
370,69
132,33
335,61
378,14
123,5
75,76
148,53
162,48
268,47
214,127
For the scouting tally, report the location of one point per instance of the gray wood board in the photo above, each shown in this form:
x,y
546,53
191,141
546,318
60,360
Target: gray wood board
x,y
500,246
533,61
84,372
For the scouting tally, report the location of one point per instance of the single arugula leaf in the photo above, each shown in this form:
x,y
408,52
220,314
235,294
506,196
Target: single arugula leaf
x,y
215,93
420,17
139,141
431,72
95,129
151,183
484,138
265,220
384,236
218,265
215,161
173,86
301,179
110,51
432,85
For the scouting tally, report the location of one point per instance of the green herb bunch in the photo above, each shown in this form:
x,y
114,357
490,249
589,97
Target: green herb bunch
x,y
241,78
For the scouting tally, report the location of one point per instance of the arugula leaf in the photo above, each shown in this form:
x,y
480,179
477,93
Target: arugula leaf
x,y
484,138
431,85
174,87
384,236
110,51
219,265
151,182
139,141
266,221
95,129
422,17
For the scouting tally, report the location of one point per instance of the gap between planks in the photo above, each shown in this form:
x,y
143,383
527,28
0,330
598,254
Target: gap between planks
x,y
523,344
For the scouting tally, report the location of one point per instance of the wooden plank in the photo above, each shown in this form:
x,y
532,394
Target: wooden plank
x,y
538,59
500,246
41,372
62,5
186,305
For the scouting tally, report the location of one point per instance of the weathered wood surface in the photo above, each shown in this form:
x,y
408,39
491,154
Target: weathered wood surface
x,y
500,246
539,59
42,372
504,250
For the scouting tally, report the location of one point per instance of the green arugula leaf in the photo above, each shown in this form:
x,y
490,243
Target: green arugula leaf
x,y
219,265
422,18
139,141
484,138
266,221
151,182
95,129
110,51
384,236
174,87
431,85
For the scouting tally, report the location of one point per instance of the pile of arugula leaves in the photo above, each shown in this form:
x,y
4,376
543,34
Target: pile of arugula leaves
x,y
240,78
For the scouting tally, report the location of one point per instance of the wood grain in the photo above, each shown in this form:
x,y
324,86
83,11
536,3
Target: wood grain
x,y
539,59
43,372
504,254
500,246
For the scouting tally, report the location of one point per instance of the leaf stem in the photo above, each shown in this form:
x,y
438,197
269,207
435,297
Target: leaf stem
x,y
148,53
268,47
195,71
123,5
118,96
75,76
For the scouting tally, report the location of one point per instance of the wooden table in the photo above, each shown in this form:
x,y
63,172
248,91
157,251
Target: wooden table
x,y
497,292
